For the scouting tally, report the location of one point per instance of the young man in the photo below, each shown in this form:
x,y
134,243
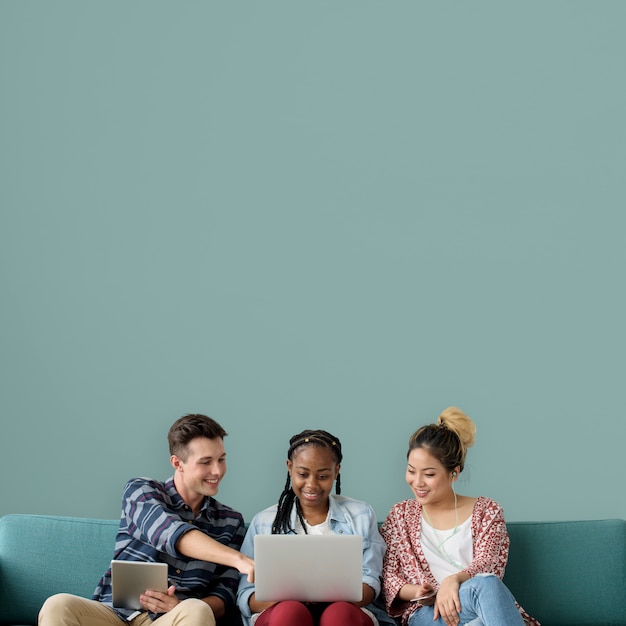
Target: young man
x,y
177,522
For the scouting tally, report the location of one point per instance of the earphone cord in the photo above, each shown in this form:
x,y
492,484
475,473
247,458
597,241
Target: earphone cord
x,y
456,525
456,514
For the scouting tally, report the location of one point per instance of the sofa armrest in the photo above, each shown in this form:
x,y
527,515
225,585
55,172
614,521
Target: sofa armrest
x,y
42,555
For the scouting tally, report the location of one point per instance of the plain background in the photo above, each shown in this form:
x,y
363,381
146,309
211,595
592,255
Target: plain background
x,y
343,215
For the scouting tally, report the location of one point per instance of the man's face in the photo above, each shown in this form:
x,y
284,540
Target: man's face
x,y
202,471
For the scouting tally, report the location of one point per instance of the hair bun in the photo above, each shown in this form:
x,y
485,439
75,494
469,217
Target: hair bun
x,y
459,423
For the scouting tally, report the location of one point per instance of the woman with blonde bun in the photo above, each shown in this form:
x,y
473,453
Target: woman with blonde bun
x,y
446,553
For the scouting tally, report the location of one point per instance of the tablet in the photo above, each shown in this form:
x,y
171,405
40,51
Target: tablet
x,y
129,579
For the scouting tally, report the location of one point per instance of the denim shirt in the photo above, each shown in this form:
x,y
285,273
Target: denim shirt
x,y
346,516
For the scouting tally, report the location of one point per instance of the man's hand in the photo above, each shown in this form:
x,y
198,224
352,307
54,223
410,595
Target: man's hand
x,y
159,602
246,566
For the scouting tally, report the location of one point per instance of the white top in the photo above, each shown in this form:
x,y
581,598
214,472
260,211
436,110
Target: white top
x,y
447,551
317,529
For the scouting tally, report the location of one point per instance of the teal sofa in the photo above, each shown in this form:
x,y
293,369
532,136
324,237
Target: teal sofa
x,y
562,573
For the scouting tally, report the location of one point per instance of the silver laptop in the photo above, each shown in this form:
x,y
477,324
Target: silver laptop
x,y
308,568
129,579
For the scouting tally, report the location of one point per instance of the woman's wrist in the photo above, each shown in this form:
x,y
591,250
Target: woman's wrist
x,y
408,592
460,577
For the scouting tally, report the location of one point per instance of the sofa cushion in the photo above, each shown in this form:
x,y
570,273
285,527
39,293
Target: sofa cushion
x,y
569,573
562,573
43,555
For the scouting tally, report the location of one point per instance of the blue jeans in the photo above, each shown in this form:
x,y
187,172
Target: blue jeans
x,y
485,601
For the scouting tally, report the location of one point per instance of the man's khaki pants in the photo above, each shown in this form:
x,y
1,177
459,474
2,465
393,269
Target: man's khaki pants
x,y
64,609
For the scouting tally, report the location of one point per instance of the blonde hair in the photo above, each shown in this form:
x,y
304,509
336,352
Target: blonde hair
x,y
448,440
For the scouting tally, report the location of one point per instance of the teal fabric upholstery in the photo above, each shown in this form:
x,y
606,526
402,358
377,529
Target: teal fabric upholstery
x,y
44,555
562,573
569,573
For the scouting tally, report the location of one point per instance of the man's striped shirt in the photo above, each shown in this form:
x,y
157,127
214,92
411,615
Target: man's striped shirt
x,y
154,517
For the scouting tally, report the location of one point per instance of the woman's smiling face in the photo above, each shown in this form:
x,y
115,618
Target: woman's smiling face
x,y
428,479
313,470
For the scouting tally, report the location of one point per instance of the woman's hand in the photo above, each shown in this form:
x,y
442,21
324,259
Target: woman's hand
x,y
367,597
427,596
413,593
159,602
257,606
447,602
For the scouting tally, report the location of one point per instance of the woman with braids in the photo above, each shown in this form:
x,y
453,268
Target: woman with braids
x,y
307,506
446,553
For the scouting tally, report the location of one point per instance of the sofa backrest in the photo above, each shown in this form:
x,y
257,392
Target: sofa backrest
x,y
562,573
566,573
42,555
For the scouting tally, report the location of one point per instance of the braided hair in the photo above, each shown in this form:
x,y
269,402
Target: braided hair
x,y
322,439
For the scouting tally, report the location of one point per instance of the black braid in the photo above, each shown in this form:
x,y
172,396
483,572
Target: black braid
x,y
288,498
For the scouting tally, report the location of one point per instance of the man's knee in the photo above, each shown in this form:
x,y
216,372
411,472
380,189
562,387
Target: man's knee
x,y
55,600
194,611
59,609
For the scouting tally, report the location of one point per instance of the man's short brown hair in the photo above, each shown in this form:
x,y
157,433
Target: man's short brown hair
x,y
189,427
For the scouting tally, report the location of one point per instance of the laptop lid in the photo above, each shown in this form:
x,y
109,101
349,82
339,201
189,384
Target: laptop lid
x,y
308,568
129,579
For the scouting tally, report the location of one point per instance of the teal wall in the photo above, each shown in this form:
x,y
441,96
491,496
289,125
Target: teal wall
x,y
346,215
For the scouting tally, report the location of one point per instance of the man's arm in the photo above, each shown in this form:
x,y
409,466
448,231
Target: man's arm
x,y
196,545
143,504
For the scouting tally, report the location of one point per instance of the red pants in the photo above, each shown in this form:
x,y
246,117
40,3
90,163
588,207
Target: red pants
x,y
292,613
